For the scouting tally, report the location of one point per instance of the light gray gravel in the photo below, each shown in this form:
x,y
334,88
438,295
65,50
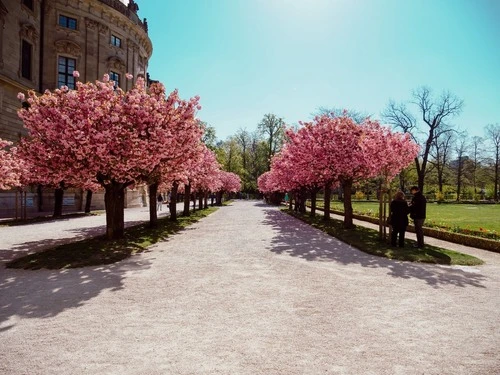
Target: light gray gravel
x,y
250,290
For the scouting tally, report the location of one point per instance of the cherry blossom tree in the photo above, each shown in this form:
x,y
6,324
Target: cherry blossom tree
x,y
229,183
206,179
336,150
100,134
11,167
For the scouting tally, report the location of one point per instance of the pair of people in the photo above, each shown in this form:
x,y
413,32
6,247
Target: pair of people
x,y
399,211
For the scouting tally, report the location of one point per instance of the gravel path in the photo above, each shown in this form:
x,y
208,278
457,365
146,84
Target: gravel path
x,y
250,290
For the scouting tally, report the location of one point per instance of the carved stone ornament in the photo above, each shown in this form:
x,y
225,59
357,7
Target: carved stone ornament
x,y
92,24
68,47
115,63
103,29
29,32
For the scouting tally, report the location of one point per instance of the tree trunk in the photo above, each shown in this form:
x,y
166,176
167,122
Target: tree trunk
x,y
326,203
58,200
114,198
303,197
314,193
193,198
173,201
200,200
206,200
347,186
88,201
39,193
218,198
153,203
187,199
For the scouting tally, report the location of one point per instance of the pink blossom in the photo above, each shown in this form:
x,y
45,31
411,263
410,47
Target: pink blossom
x,y
129,76
21,96
76,74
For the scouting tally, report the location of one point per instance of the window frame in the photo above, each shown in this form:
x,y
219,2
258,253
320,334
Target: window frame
x,y
68,21
69,80
112,75
26,61
114,40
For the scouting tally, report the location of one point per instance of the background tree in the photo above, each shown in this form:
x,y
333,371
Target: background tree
x,y
460,152
475,151
440,155
435,114
273,129
357,116
493,137
229,155
209,137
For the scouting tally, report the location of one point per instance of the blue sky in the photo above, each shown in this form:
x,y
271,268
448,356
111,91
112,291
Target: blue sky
x,y
246,58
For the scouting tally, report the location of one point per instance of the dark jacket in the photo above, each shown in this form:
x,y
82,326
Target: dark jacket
x,y
399,213
418,205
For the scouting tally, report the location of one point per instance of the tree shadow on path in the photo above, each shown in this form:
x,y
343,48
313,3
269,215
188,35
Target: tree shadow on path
x,y
298,239
18,250
47,293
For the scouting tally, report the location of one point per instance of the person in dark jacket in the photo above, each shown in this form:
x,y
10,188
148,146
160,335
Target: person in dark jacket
x,y
399,218
417,213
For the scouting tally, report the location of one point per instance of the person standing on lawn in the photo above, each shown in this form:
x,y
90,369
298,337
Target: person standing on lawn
x,y
399,211
417,213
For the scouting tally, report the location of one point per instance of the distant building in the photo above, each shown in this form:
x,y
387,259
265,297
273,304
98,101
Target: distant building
x,y
43,41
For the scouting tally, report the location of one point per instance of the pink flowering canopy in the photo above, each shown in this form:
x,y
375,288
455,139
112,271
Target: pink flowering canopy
x,y
230,182
99,133
333,150
11,167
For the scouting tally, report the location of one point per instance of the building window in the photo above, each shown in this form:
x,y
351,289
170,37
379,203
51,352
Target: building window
x,y
67,22
113,76
28,4
115,41
65,69
26,59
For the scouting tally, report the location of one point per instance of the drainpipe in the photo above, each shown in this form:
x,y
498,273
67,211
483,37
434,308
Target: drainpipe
x,y
42,45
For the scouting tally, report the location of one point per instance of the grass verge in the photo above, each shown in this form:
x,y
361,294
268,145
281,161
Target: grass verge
x,y
367,240
97,250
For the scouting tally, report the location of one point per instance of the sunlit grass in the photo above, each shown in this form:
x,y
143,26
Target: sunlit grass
x,y
460,218
367,240
98,250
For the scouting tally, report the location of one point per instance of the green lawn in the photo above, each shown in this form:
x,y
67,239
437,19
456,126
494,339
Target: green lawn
x,y
479,217
367,240
98,250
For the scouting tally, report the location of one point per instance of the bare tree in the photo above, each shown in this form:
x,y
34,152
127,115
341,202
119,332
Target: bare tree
x,y
243,138
461,146
273,128
440,156
434,114
357,116
493,136
475,157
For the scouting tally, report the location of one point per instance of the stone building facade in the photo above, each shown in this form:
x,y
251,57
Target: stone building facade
x,y
43,41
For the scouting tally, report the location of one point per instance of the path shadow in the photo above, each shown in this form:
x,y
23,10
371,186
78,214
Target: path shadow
x,y
299,239
76,234
47,293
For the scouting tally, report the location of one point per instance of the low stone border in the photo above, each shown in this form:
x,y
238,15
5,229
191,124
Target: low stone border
x,y
462,239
